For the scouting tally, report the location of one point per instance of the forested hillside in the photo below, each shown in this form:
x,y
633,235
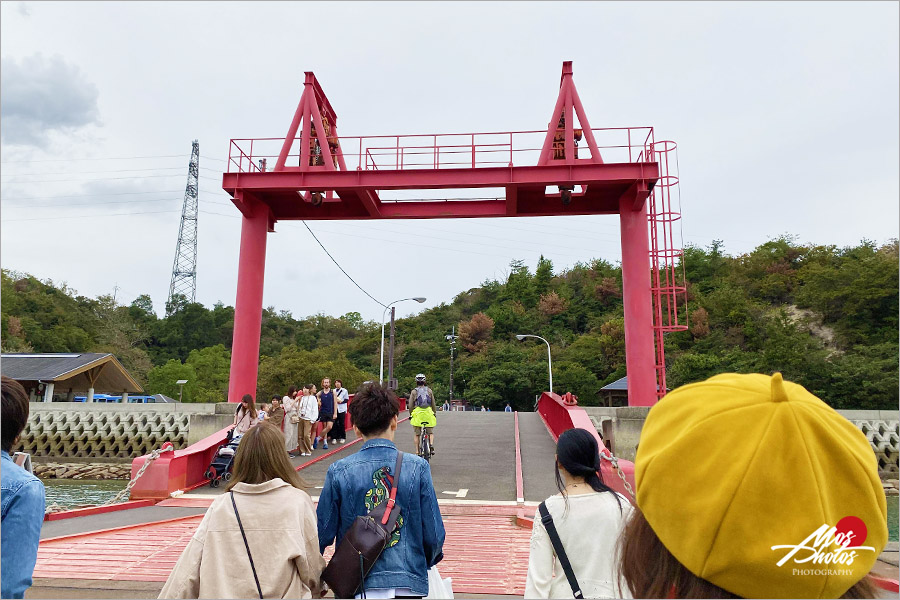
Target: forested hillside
x,y
826,317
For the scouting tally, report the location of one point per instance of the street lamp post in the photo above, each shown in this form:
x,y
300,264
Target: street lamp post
x,y
180,383
452,339
521,337
383,317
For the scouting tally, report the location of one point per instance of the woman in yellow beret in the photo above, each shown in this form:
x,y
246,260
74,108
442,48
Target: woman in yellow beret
x,y
749,486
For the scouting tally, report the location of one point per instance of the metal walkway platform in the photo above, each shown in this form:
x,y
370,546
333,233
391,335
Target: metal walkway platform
x,y
474,472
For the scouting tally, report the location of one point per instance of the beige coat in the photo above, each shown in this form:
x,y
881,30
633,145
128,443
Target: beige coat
x,y
285,548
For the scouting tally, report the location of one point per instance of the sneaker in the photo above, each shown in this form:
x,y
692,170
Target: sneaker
x,y
342,440
307,454
324,445
315,443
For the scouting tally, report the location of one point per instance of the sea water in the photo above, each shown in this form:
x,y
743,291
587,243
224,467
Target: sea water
x,y
70,493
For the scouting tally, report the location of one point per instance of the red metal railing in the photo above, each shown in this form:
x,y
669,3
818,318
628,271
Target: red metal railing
x,y
443,151
668,288
559,417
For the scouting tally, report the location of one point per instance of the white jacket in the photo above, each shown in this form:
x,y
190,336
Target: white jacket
x,y
588,530
280,523
309,408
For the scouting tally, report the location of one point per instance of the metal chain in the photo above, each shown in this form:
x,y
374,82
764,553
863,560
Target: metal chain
x,y
127,491
615,463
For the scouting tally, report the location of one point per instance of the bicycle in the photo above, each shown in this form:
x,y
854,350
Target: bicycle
x,y
425,446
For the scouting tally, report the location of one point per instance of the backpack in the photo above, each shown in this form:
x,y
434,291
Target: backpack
x,y
423,398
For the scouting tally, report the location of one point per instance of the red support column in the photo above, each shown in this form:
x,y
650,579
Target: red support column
x,y
248,305
639,359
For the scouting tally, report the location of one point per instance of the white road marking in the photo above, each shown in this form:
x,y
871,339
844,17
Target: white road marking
x,y
460,493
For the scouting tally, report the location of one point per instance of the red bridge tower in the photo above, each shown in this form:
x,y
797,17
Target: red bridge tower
x,y
540,173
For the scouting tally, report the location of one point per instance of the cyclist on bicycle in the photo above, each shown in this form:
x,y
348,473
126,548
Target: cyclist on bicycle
x,y
422,411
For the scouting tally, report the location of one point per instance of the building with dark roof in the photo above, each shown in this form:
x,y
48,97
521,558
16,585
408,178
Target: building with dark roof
x,y
616,393
62,375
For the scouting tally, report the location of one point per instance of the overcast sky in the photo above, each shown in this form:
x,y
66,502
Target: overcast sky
x,y
785,116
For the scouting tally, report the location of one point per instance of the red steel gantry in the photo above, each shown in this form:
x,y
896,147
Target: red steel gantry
x,y
538,173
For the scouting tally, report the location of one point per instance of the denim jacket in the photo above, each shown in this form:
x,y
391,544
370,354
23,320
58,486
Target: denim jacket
x,y
21,517
356,484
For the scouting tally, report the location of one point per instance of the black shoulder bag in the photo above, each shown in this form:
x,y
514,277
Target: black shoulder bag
x,y
363,544
547,521
247,546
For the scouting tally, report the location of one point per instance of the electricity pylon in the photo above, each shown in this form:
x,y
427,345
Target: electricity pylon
x,y
184,269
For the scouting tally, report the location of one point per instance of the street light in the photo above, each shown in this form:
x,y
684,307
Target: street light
x,y
452,339
180,383
383,316
522,336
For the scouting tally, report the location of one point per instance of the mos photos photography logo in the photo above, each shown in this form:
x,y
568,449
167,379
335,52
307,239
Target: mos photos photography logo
x,y
828,548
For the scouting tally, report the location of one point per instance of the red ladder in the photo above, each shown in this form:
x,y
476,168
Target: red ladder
x,y
668,288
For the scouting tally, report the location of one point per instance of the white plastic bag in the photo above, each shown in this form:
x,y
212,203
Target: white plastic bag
x,y
439,588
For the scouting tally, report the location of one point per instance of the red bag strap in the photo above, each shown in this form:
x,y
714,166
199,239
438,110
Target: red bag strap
x,y
392,500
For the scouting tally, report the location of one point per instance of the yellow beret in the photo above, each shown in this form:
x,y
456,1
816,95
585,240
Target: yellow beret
x,y
734,473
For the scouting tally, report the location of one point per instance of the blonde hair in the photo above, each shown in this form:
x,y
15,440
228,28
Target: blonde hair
x,y
261,457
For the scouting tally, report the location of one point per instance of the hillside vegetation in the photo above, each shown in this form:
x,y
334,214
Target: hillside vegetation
x,y
826,317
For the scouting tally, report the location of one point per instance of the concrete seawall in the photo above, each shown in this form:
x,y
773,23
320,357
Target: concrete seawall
x,y
621,428
64,430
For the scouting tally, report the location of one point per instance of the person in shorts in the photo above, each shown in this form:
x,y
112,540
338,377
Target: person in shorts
x,y
327,412
422,410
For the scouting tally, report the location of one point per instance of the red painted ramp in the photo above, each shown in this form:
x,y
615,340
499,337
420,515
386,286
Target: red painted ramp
x,y
485,552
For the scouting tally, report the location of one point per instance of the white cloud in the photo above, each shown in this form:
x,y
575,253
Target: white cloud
x,y
42,96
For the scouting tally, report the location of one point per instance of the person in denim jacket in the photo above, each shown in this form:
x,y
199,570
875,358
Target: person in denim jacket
x,y
356,484
21,499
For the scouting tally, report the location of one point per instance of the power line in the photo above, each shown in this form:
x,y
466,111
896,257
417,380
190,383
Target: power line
x,y
91,179
76,204
94,216
91,195
69,159
340,267
94,172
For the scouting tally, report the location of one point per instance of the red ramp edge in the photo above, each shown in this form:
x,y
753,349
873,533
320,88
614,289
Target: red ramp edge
x,y
184,469
559,416
175,470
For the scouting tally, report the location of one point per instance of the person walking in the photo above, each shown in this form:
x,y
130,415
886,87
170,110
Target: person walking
x,y
508,408
327,412
342,397
232,555
749,486
245,416
21,496
309,414
587,516
290,404
358,483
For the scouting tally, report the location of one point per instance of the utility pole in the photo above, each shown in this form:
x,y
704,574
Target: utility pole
x,y
184,269
392,383
452,337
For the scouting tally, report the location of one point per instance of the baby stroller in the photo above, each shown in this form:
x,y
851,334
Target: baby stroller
x,y
222,463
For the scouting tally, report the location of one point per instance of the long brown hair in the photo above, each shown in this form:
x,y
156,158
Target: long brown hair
x,y
250,403
261,457
651,571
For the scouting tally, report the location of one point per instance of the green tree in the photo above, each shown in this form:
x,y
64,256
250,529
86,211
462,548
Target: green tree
x,y
211,366
162,380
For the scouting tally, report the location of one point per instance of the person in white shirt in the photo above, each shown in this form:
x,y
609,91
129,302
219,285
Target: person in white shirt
x,y
309,414
589,517
291,421
341,396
